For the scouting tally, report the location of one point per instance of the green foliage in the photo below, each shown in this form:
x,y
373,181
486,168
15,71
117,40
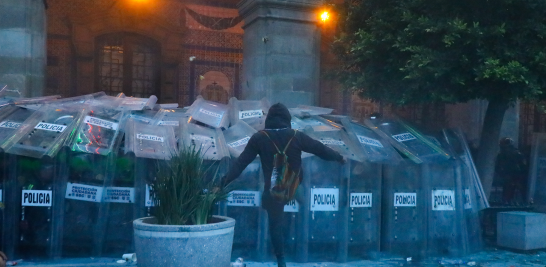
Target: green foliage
x,y
423,51
185,189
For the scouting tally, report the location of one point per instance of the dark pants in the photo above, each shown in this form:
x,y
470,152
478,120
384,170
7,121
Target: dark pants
x,y
275,212
512,185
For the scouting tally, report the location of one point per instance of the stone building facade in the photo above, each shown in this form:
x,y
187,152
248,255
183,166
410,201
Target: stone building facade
x,y
174,49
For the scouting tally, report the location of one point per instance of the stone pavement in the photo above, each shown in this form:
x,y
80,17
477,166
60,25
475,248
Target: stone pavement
x,y
489,258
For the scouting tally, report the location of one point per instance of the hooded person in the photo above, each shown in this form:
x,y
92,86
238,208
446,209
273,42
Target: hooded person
x,y
511,169
278,133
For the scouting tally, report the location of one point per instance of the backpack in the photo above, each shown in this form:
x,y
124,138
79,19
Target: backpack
x,y
284,179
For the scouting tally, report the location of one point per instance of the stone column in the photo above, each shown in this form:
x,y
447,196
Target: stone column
x,y
23,45
281,51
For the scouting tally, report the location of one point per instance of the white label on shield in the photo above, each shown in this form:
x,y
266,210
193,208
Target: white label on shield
x,y
50,127
292,206
169,123
245,114
361,200
467,201
134,102
10,124
324,199
404,137
244,198
149,201
150,137
369,141
37,198
201,138
119,194
210,113
101,123
241,142
83,192
443,200
332,142
405,199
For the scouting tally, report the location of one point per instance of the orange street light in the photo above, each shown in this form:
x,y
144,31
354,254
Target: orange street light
x,y
325,16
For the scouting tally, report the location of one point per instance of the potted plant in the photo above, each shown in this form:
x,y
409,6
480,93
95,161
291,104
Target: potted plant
x,y
182,231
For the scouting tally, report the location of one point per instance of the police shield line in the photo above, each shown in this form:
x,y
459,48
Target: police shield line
x,y
76,173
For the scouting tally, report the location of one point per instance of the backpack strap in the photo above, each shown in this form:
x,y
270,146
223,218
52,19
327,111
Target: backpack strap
x,y
285,148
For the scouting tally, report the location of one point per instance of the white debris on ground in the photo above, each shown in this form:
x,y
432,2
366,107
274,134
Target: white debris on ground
x,y
488,258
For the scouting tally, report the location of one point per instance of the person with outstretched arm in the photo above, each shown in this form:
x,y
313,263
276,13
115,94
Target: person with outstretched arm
x,y
278,134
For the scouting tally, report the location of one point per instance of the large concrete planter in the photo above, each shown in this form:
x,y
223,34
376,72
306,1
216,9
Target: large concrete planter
x,y
184,245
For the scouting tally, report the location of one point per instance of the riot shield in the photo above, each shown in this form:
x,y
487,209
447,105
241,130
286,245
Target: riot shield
x,y
306,111
243,204
408,140
537,173
210,141
44,132
134,103
337,140
403,210
373,148
456,140
145,144
209,113
35,197
171,117
251,112
237,136
315,122
90,170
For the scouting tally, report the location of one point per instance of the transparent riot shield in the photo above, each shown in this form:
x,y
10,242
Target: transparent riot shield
x,y
373,148
250,111
306,111
364,221
404,203
44,132
322,222
315,122
209,113
457,141
134,103
537,173
145,144
237,136
171,117
90,170
337,140
408,140
34,192
251,237
11,119
146,116
210,140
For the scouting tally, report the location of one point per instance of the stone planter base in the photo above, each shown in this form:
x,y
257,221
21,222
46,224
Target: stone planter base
x,y
183,245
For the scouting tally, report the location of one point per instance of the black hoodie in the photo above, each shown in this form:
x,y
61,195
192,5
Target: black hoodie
x,y
278,127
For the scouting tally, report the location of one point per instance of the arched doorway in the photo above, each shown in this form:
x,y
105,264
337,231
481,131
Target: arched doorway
x,y
127,63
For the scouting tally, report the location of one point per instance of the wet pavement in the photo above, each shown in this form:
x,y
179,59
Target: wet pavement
x,y
489,258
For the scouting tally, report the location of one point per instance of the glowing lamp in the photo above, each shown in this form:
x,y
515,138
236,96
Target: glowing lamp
x,y
325,16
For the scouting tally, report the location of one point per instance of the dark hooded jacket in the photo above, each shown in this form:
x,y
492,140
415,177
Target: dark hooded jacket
x,y
278,127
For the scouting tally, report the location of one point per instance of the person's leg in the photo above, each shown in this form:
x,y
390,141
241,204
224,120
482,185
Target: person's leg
x,y
276,220
508,191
